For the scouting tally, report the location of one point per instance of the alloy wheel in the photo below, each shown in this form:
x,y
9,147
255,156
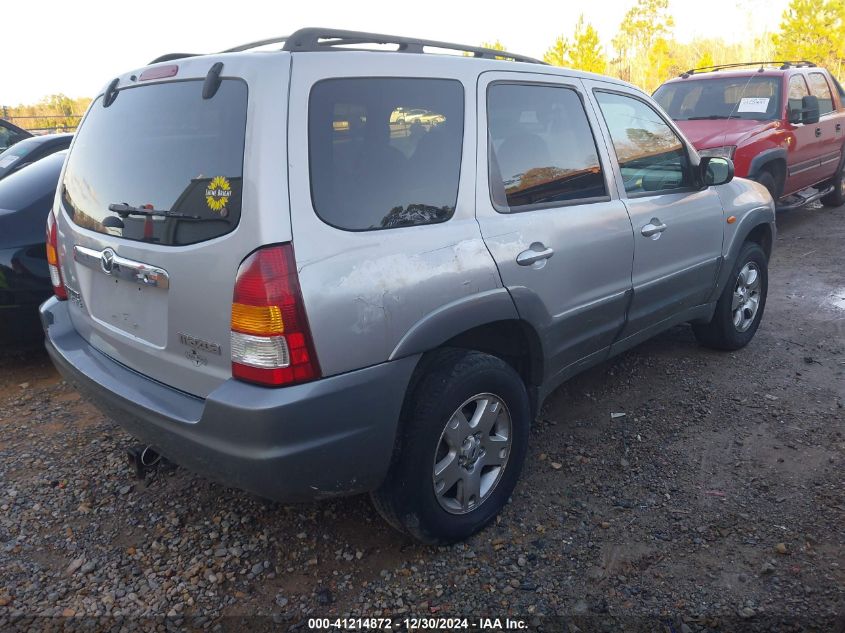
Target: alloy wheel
x,y
472,453
746,297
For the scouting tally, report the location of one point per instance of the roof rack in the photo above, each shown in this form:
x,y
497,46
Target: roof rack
x,y
319,39
171,56
784,64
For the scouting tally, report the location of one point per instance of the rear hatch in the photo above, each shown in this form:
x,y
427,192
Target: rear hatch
x,y
156,214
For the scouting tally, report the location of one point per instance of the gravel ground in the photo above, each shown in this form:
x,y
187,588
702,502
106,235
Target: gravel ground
x,y
716,503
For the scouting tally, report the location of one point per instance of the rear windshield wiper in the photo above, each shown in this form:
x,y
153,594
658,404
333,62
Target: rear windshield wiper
x,y
125,210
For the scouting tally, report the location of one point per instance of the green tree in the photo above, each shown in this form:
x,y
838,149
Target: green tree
x,y
706,60
496,45
556,55
813,30
586,53
643,24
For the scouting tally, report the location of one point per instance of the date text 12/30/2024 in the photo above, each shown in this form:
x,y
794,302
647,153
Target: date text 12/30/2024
x,y
417,624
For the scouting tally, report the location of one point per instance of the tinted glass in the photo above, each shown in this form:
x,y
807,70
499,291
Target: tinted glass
x,y
29,150
839,89
165,146
9,137
797,92
651,156
820,90
542,149
385,152
27,186
721,98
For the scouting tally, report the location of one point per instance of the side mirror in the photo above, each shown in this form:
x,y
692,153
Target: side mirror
x,y
809,110
715,170
794,116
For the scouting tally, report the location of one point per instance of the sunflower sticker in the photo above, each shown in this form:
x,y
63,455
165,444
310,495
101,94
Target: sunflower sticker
x,y
217,195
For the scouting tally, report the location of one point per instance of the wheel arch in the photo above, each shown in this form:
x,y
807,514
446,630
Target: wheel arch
x,y
486,322
756,226
772,160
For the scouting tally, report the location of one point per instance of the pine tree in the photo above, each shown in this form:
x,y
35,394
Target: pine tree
x,y
586,53
813,30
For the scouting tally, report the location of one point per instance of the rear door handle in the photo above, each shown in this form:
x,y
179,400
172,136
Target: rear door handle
x,y
838,127
653,229
818,131
536,253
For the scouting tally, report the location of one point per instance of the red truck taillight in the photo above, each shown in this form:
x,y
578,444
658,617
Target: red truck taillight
x,y
53,259
271,340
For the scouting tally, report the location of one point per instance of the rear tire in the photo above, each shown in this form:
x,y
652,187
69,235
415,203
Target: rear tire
x,y
450,478
741,304
836,198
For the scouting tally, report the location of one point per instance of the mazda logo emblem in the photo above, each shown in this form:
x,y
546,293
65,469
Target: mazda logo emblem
x,y
107,261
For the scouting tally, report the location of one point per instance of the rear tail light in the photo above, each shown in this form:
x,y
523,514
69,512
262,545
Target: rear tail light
x,y
271,340
53,259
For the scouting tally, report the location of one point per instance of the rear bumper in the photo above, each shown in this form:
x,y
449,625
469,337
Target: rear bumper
x,y
330,437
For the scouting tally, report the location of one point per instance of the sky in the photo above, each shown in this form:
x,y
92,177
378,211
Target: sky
x,y
77,49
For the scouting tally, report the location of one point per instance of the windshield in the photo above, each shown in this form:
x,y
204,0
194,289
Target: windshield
x,y
753,97
160,146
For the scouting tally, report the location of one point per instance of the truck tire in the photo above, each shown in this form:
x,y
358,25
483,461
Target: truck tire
x,y
836,198
767,179
462,444
741,304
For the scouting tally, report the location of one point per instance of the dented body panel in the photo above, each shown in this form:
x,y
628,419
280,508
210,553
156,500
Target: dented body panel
x,y
364,291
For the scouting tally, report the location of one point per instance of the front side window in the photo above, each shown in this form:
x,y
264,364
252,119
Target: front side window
x,y
740,97
797,92
541,147
385,152
820,90
651,156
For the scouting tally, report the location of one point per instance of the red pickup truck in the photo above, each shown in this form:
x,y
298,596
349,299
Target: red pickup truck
x,y
782,123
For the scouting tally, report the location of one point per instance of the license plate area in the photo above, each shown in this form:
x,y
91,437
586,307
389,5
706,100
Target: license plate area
x,y
130,308
123,295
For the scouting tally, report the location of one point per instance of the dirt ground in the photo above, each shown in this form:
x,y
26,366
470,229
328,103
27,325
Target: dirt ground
x,y
716,503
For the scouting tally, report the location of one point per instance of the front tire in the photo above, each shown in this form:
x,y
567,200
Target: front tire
x,y
740,307
463,442
767,179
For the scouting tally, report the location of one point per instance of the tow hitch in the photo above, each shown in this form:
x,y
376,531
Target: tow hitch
x,y
142,459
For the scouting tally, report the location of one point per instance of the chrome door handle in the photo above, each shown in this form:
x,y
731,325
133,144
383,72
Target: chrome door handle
x,y
653,229
538,252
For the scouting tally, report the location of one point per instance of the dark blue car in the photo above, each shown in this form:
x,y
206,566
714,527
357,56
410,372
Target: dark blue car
x,y
25,200
31,150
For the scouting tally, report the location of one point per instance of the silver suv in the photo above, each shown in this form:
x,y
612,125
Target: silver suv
x,y
265,267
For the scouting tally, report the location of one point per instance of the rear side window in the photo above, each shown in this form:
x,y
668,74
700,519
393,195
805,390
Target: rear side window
x,y
542,150
820,90
385,152
797,92
651,156
164,147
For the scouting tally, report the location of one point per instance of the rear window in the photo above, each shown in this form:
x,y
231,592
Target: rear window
x,y
385,152
162,148
723,98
